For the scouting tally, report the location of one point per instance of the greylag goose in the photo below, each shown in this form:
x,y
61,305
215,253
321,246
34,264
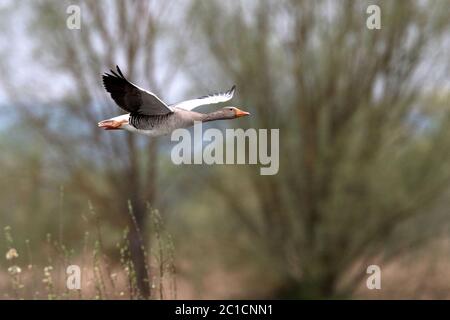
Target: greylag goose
x,y
149,115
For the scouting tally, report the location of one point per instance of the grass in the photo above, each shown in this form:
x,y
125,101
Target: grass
x,y
103,275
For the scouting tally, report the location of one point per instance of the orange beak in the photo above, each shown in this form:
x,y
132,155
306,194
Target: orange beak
x,y
240,113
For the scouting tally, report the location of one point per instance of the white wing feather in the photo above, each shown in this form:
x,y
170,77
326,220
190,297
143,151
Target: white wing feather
x,y
209,99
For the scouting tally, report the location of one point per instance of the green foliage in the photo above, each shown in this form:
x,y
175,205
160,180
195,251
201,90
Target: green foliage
x,y
364,141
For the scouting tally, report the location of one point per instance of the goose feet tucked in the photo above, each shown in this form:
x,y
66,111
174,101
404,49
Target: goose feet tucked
x,y
110,124
147,114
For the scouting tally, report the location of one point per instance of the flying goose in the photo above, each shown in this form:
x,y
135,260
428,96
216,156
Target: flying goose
x,y
149,115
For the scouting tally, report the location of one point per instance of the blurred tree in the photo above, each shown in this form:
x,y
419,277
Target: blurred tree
x,y
122,167
361,113
362,156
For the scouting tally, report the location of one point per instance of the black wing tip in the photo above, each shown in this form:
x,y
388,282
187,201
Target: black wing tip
x,y
106,78
232,90
113,78
119,71
114,74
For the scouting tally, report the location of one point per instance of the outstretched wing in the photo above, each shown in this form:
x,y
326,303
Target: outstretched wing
x,y
131,98
209,99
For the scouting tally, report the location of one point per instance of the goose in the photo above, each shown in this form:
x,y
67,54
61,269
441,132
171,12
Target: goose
x,y
149,115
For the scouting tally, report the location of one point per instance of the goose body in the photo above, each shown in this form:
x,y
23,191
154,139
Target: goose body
x,y
149,115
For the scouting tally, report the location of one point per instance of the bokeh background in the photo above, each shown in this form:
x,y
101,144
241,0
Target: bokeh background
x,y
364,151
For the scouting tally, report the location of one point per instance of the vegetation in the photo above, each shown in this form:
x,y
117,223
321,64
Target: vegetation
x,y
101,277
364,148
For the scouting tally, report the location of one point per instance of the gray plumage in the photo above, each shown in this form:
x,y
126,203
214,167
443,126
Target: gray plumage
x,y
151,116
164,124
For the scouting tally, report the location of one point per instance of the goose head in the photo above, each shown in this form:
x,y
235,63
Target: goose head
x,y
224,114
233,112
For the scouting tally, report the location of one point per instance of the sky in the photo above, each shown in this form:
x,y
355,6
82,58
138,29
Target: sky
x,y
17,43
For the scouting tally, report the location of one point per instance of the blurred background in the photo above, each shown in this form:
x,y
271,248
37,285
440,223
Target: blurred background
x,y
364,151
